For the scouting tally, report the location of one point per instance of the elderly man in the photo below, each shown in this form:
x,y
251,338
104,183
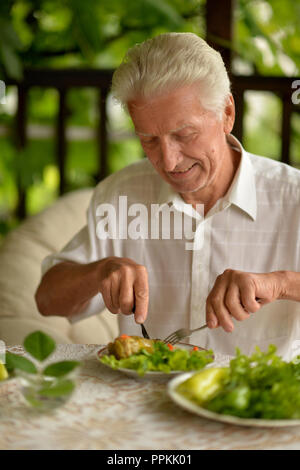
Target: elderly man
x,y
242,275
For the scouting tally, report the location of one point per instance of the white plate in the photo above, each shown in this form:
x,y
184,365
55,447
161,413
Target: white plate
x,y
150,374
194,408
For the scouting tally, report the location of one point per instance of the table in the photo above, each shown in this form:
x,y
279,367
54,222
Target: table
x,y
109,410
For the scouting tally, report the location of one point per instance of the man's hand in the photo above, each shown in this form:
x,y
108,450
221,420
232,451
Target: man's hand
x,y
124,287
237,294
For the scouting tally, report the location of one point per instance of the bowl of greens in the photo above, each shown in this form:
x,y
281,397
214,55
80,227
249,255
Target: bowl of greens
x,y
139,357
259,390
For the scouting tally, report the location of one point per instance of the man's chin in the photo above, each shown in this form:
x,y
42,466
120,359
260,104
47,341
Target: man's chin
x,y
187,187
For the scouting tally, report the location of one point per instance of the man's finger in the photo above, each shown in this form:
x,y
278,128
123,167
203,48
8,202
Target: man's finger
x,y
249,301
211,318
234,305
141,295
215,303
106,295
115,290
223,315
126,296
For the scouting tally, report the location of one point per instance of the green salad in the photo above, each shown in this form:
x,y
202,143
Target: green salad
x,y
163,359
258,386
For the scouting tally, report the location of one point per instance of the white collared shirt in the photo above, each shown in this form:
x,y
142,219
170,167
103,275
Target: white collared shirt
x,y
255,227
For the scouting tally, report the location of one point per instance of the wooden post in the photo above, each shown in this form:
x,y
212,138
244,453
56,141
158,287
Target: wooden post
x,y
286,128
219,21
61,139
21,140
102,134
219,35
238,128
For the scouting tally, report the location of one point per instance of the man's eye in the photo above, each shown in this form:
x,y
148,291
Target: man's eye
x,y
185,136
148,141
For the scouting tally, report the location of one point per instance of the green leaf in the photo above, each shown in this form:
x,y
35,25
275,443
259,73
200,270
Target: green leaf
x,y
39,345
11,61
62,387
8,34
86,26
13,361
60,369
167,10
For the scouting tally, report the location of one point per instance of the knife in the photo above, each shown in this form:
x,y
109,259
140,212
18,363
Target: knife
x,y
144,331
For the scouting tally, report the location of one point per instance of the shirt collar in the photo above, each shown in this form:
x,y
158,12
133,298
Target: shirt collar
x,y
242,191
167,195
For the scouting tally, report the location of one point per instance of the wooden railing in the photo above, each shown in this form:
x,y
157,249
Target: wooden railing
x,y
281,87
65,79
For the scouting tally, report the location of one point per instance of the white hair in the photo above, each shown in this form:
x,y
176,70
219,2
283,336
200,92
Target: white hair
x,y
170,61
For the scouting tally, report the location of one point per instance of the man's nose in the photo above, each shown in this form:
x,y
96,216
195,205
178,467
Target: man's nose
x,y
170,155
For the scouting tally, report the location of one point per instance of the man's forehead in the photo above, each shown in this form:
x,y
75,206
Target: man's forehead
x,y
171,131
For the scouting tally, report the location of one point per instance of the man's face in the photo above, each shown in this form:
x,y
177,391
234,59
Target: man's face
x,y
185,143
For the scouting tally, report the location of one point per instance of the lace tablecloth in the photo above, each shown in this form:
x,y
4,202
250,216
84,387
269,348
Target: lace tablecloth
x,y
109,410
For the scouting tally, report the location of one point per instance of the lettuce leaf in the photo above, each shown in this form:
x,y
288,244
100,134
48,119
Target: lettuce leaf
x,y
260,386
162,360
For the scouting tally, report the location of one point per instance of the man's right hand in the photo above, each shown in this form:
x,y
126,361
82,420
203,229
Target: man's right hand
x,y
124,287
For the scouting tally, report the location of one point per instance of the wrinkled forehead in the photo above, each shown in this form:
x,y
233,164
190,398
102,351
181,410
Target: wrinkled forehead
x,y
152,123
170,131
171,112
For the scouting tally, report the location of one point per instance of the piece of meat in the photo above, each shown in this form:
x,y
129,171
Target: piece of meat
x,y
124,346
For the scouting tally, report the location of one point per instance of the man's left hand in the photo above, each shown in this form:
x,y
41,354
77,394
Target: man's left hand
x,y
237,294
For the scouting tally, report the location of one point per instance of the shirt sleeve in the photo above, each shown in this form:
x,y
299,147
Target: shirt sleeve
x,y
83,248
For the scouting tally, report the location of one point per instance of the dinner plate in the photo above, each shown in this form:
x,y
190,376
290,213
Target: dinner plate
x,y
197,409
150,374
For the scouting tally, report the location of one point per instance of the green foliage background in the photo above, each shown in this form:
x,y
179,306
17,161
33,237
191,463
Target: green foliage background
x,y
97,33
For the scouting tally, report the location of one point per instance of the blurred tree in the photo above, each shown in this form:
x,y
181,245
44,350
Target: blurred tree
x,y
97,33
89,32
63,33
267,36
10,44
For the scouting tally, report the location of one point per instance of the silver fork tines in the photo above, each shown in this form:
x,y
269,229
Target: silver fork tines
x,y
178,335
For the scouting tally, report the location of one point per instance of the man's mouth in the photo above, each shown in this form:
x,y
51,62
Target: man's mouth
x,y
182,172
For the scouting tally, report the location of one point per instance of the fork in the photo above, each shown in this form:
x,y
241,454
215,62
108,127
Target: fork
x,y
178,335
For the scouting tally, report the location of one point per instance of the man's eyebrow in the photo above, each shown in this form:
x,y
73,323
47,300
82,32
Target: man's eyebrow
x,y
143,134
172,131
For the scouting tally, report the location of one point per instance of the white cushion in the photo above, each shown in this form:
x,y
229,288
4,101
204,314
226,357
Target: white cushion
x,y
21,255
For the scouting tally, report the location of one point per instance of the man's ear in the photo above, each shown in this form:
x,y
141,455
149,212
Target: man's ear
x,y
229,115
